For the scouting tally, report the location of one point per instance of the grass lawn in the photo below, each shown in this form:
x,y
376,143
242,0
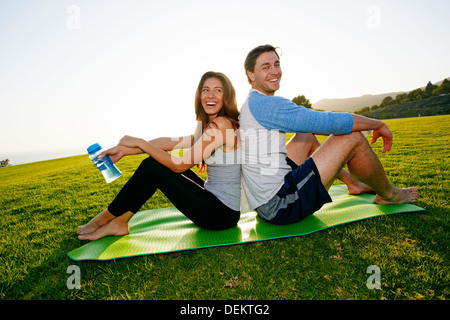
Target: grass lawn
x,y
42,204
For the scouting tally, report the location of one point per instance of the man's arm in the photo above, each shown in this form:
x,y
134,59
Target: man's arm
x,y
282,114
379,129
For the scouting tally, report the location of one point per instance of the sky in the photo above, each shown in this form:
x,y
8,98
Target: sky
x,y
77,72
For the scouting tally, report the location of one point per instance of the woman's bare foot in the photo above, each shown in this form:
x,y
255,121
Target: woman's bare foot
x,y
358,187
400,195
116,227
97,222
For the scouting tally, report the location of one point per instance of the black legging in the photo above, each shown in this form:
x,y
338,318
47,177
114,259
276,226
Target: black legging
x,y
185,190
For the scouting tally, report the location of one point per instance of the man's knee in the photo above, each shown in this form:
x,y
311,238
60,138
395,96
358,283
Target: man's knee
x,y
307,138
359,138
355,139
304,141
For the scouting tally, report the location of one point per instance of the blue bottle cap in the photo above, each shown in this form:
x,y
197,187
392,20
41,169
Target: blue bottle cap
x,y
94,148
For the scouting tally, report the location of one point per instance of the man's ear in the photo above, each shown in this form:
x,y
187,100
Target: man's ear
x,y
251,75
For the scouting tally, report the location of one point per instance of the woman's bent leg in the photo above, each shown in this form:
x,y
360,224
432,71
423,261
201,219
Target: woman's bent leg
x,y
136,191
196,203
131,197
184,190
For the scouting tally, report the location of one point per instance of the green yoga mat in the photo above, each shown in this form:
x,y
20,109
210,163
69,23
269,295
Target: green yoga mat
x,y
167,230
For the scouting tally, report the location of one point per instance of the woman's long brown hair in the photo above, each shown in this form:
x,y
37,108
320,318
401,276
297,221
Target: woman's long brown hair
x,y
228,110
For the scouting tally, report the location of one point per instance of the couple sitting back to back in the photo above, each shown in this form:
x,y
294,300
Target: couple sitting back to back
x,y
283,182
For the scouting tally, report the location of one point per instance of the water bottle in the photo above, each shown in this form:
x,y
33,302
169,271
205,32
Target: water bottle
x,y
105,165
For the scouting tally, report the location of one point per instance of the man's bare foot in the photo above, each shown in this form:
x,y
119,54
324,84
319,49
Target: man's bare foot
x,y
400,195
358,187
98,221
115,227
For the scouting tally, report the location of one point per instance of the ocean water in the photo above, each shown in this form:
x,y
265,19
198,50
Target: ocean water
x,y
16,158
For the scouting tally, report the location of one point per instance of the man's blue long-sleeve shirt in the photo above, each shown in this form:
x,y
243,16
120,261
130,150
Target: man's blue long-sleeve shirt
x,y
264,121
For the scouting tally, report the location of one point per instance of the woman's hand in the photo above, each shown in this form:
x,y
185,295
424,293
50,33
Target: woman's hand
x,y
115,153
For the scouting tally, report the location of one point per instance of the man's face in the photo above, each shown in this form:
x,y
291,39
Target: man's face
x,y
267,73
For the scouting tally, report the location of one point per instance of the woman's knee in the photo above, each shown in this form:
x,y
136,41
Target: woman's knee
x,y
148,161
150,167
151,164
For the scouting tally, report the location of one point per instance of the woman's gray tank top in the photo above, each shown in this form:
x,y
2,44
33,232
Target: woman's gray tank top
x,y
224,177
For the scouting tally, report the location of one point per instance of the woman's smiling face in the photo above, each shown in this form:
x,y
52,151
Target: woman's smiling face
x,y
212,97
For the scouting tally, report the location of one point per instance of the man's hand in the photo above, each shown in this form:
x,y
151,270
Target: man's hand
x,y
385,134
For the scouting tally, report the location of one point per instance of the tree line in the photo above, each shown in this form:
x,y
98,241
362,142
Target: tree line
x,y
405,104
431,90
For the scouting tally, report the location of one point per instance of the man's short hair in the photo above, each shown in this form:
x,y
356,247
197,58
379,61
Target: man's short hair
x,y
250,61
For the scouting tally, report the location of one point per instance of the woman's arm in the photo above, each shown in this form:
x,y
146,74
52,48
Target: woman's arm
x,y
163,143
118,152
210,140
169,144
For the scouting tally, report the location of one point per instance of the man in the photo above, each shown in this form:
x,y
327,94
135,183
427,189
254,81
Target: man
x,y
285,183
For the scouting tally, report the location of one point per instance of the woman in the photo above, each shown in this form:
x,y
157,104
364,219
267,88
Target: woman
x,y
213,204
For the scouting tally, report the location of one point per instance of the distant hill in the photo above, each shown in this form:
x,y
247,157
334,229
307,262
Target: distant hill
x,y
432,106
357,103
352,104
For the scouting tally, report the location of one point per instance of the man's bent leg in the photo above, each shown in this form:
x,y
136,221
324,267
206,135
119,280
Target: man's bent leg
x,y
302,145
354,150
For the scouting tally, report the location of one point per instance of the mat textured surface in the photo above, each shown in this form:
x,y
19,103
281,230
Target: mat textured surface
x,y
167,230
